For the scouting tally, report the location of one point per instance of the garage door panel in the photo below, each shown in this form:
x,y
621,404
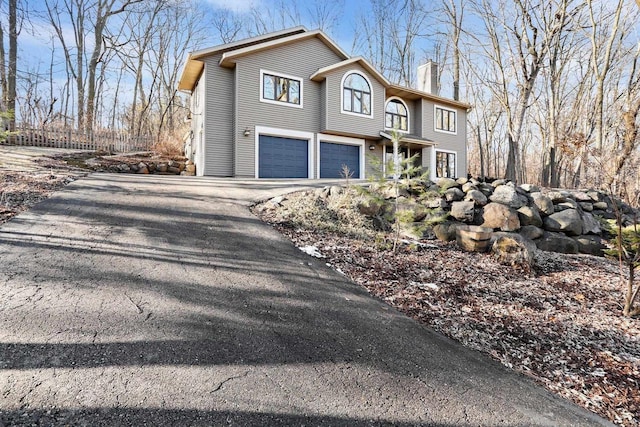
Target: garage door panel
x,y
333,156
283,157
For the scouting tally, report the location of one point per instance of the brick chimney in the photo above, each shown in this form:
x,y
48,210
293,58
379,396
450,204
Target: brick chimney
x,y
428,77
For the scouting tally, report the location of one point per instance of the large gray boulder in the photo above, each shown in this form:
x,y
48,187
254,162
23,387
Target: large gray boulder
x,y
531,232
591,245
557,242
530,188
507,195
529,215
476,197
591,225
453,194
445,231
446,183
514,249
543,203
463,211
497,215
469,186
568,221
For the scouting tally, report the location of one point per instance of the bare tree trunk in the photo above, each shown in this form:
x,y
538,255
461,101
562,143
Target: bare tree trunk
x,y
3,72
13,62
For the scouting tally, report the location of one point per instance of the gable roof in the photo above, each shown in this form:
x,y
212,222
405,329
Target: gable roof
x,y
228,58
193,67
413,94
321,74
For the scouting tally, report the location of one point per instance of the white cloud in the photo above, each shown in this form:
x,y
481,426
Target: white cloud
x,y
235,5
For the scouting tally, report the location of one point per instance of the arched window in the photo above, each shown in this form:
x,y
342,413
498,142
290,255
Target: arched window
x,y
396,115
356,94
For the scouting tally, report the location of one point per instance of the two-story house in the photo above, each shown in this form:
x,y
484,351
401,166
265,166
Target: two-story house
x,y
293,104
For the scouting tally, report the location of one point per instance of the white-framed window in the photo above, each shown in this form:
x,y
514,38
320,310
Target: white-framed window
x,y
357,97
396,115
445,119
446,164
281,89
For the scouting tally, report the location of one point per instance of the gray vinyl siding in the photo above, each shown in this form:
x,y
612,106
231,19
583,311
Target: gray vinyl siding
x,y
418,120
350,124
300,60
446,141
373,160
218,126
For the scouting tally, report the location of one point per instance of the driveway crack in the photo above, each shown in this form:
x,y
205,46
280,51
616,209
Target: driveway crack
x,y
219,386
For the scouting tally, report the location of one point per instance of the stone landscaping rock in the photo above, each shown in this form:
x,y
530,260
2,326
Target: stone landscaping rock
x,y
453,194
581,196
487,189
463,211
531,232
468,187
462,180
514,249
162,167
507,195
497,215
435,203
476,197
591,224
591,245
530,188
446,183
568,221
603,206
499,182
568,204
586,206
558,196
143,170
174,170
445,231
543,203
557,242
529,215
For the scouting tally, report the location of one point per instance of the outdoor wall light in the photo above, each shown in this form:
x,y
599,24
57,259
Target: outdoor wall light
x,y
372,147
247,131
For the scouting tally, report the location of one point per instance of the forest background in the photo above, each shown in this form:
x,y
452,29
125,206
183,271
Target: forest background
x,y
554,84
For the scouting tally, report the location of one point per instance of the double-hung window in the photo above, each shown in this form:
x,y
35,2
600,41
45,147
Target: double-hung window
x,y
356,95
445,120
281,89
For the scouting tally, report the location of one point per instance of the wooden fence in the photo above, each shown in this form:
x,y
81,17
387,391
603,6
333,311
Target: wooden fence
x,y
111,141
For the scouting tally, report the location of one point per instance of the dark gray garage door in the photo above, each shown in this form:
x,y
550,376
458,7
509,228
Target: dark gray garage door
x,y
333,156
283,157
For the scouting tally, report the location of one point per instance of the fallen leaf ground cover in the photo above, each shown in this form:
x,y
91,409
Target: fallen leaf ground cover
x,y
560,323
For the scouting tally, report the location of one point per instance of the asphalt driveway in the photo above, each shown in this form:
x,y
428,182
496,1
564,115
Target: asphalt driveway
x,y
133,300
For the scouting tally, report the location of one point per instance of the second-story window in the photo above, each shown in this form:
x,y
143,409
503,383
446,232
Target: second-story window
x,y
283,89
356,95
396,116
445,120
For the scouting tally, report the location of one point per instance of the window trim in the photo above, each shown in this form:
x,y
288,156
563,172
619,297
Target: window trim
x,y
351,113
434,162
435,124
405,106
286,76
